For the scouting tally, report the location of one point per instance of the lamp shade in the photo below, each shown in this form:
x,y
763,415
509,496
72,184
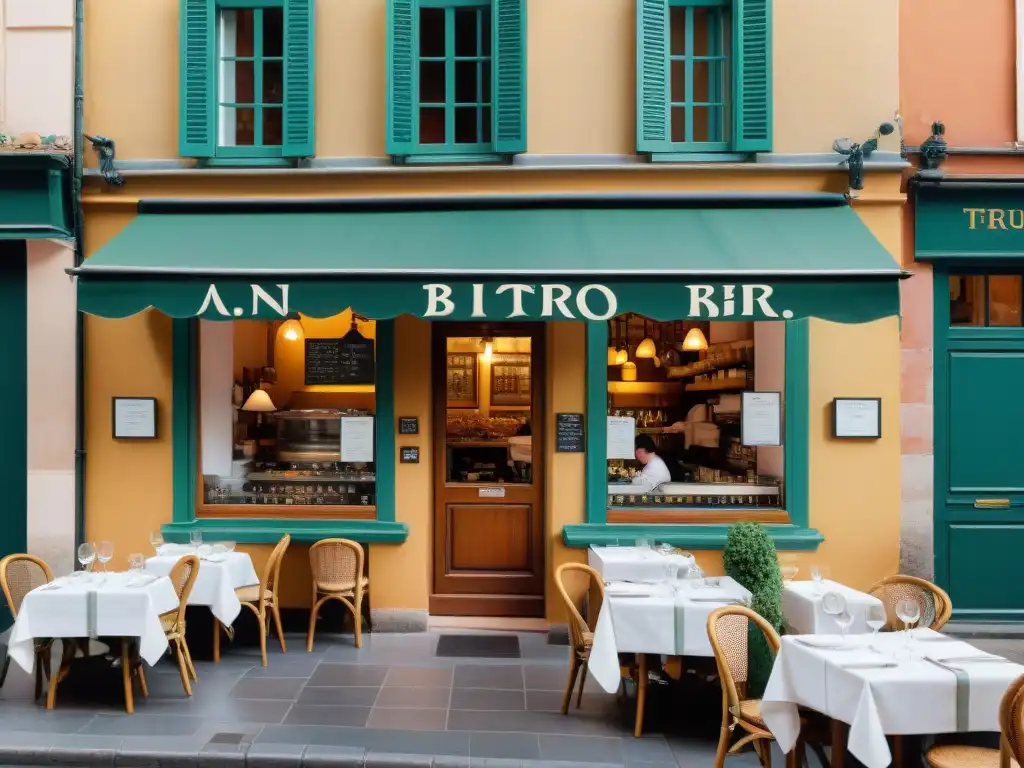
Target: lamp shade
x,y
291,330
695,340
260,402
613,356
647,349
621,356
629,371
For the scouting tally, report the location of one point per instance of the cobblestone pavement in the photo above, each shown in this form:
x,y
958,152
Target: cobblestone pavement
x,y
394,702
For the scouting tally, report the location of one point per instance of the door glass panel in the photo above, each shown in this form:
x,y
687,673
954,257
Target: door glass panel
x,y
966,300
1004,300
489,399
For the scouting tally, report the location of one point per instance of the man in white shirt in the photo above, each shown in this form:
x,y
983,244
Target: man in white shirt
x,y
655,471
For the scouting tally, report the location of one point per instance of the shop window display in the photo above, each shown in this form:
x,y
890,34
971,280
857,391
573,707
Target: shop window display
x,y
680,388
280,432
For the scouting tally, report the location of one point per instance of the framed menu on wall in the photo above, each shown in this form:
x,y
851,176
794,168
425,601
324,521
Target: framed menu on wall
x,y
461,380
510,378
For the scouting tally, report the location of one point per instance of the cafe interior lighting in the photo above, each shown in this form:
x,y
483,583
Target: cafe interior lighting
x,y
259,402
646,350
488,348
292,330
695,341
622,356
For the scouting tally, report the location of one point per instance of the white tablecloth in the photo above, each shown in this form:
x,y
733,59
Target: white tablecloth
x,y
916,696
669,619
636,563
125,605
219,577
805,615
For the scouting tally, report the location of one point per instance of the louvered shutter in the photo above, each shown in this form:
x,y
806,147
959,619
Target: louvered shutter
x,y
403,26
198,84
299,138
752,50
652,72
508,75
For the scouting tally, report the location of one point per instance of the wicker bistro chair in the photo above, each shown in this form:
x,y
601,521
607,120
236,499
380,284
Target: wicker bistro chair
x,y
19,575
337,568
183,577
936,607
587,593
1011,742
727,631
262,598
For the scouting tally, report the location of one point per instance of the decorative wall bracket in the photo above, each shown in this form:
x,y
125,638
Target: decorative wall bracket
x,y
856,154
105,149
933,149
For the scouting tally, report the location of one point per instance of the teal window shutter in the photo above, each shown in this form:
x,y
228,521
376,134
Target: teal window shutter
x,y
402,76
196,131
299,136
752,35
508,73
652,97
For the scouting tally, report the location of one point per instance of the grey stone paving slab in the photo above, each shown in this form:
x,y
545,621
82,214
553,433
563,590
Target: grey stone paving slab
x,y
521,746
349,695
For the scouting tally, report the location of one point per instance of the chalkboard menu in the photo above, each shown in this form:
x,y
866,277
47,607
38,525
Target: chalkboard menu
x,y
569,433
348,360
408,425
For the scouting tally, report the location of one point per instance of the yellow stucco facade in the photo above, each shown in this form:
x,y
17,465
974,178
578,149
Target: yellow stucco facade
x,y
581,101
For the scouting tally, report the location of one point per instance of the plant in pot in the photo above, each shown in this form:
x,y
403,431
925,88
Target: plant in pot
x,y
751,559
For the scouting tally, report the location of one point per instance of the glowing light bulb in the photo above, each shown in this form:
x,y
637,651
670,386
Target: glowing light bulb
x,y
488,350
291,330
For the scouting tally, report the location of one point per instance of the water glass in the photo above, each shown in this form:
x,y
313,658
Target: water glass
x,y
196,538
875,618
820,575
697,575
642,543
105,553
86,555
136,563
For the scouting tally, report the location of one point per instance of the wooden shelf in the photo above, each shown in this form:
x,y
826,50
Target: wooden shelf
x,y
718,385
644,387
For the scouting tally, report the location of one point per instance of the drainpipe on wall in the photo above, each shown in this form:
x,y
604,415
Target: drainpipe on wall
x,y
76,202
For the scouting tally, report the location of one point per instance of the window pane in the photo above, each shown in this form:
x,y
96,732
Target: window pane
x,y
677,75
485,69
432,89
431,125
1004,300
702,90
966,300
485,33
466,82
678,123
431,32
273,32
236,33
273,82
272,126
466,31
467,122
237,126
485,124
702,25
244,82
705,123
677,31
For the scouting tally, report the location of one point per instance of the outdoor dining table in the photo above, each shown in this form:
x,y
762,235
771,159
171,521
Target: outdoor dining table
x,y
889,684
638,563
803,607
669,618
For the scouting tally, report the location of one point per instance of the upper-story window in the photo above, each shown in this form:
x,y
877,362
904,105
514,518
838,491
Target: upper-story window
x,y
704,78
247,84
457,80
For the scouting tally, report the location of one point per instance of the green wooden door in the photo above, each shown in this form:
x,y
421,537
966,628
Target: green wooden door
x,y
979,460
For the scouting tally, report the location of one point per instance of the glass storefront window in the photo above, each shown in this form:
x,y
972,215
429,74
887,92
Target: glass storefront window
x,y
986,300
489,399
682,384
287,416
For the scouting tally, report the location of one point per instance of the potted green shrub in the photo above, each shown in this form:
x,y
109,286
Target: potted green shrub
x,y
751,559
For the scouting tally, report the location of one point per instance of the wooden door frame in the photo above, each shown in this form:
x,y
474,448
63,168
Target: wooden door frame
x,y
522,605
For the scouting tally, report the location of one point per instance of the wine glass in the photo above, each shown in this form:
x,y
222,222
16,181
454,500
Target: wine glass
x,y
820,575
875,618
909,612
105,553
697,575
834,605
196,538
86,555
157,540
789,573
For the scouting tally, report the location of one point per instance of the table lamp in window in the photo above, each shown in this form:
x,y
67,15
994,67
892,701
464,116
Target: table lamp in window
x,y
259,402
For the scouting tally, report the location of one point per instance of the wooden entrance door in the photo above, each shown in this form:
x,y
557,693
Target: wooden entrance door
x,y
979,420
488,386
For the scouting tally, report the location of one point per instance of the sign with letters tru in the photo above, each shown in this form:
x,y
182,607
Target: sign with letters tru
x,y
510,301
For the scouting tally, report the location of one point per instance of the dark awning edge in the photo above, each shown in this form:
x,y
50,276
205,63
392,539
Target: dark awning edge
x,y
582,201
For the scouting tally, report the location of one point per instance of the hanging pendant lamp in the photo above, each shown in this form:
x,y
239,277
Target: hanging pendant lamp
x,y
695,341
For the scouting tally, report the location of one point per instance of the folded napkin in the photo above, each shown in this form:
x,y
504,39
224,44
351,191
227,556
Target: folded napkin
x,y
141,580
820,641
628,589
216,557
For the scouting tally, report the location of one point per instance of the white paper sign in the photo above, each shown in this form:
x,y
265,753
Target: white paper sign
x,y
857,418
491,493
357,439
134,417
621,437
761,422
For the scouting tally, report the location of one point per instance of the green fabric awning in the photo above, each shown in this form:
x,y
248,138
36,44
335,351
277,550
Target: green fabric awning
x,y
506,263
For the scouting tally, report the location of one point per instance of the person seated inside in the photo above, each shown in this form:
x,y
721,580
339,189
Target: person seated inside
x,y
655,471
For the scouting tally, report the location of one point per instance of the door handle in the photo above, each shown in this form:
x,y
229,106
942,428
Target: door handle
x,y
991,503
